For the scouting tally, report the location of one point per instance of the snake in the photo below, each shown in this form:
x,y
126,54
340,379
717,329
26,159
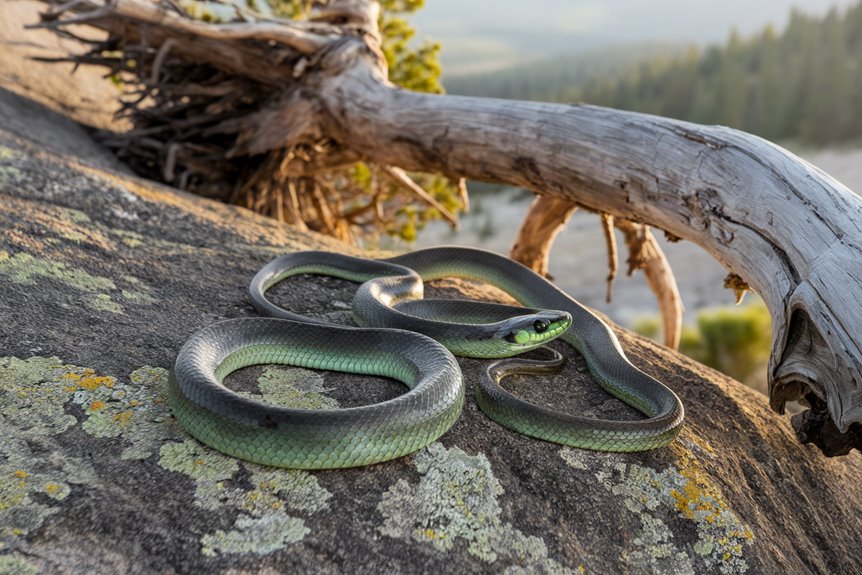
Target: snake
x,y
404,336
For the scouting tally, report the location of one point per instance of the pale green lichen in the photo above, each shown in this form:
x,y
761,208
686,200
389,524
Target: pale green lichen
x,y
75,226
16,564
27,269
138,297
659,499
293,387
8,172
259,535
456,499
103,302
140,293
262,526
77,216
136,411
33,393
197,461
276,488
129,238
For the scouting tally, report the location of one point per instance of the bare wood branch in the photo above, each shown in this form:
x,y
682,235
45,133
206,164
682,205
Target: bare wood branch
x,y
546,217
159,60
645,253
280,32
401,177
611,242
463,195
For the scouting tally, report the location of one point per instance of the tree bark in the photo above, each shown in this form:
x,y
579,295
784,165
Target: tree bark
x,y
790,231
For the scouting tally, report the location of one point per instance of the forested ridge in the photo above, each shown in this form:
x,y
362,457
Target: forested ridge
x,y
803,83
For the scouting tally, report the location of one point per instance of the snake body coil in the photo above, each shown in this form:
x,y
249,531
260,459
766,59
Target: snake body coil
x,y
314,439
391,295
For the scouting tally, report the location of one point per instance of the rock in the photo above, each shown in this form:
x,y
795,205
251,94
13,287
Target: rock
x,y
104,277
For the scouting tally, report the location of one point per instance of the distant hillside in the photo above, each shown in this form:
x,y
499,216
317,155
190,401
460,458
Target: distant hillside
x,y
559,78
804,83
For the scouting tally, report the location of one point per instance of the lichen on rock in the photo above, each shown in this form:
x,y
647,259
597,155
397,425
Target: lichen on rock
x,y
261,535
262,525
137,411
293,387
457,498
7,170
662,500
16,564
33,393
24,268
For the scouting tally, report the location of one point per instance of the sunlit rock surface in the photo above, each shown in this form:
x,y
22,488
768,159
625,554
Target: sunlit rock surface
x,y
104,276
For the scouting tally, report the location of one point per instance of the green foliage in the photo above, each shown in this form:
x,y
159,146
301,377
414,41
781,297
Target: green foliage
x,y
736,341
414,69
289,8
803,84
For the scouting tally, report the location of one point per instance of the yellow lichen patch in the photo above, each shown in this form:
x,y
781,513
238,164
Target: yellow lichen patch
x,y
93,382
124,417
431,534
52,489
698,493
21,474
97,405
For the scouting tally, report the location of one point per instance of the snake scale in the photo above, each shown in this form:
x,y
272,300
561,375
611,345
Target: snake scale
x,y
390,307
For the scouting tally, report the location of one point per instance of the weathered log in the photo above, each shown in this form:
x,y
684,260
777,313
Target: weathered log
x,y
790,231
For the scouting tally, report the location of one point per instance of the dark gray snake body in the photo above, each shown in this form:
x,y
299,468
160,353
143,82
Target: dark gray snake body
x,y
391,296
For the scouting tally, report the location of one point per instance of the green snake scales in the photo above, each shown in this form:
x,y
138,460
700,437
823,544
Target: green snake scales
x,y
389,306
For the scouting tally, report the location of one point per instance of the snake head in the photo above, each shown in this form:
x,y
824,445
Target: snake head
x,y
525,332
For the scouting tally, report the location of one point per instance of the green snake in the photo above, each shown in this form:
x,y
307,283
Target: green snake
x,y
390,307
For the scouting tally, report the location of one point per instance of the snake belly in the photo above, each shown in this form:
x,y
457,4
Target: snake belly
x,y
589,335
314,439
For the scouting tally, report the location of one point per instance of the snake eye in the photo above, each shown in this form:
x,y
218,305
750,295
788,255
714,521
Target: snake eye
x,y
540,325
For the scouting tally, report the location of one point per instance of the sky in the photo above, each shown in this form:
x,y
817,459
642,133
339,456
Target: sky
x,y
482,35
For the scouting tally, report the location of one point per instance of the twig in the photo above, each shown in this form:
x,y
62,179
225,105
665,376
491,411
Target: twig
x,y
401,177
611,242
163,52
